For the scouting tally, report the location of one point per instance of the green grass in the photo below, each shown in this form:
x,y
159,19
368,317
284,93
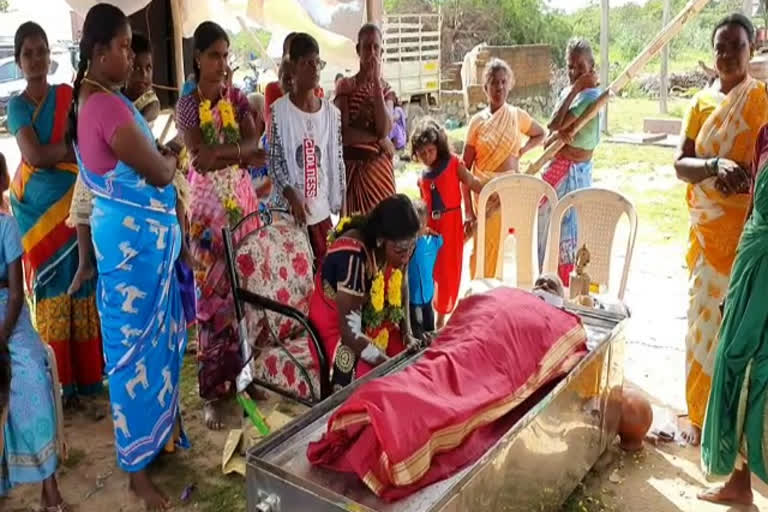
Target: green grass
x,y
643,174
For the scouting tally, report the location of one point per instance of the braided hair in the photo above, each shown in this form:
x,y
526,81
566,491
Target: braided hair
x,y
102,24
206,35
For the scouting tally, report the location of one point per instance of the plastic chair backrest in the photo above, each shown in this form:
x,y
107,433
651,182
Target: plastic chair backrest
x,y
598,212
519,196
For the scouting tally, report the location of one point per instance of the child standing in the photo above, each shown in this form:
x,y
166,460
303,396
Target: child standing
x,y
305,152
421,283
441,190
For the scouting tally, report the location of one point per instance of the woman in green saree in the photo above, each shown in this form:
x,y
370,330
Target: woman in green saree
x,y
735,433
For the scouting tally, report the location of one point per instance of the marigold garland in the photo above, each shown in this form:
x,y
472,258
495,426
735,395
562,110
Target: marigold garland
x,y
381,341
229,133
395,288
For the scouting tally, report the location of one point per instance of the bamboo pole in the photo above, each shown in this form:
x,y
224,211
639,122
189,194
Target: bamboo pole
x,y
263,50
664,89
654,47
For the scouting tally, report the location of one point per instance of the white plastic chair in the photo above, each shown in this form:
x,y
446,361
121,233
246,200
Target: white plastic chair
x,y
598,212
519,197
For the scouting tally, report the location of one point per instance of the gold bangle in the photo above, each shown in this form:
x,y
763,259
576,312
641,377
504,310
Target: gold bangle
x,y
238,152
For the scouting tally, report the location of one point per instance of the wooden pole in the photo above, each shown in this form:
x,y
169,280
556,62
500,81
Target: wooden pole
x,y
178,44
664,82
605,60
654,47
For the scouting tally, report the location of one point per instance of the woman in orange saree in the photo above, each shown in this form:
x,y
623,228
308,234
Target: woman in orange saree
x,y
497,350
41,193
719,134
494,145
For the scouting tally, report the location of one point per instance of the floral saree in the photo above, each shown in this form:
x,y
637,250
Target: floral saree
x,y
722,126
219,199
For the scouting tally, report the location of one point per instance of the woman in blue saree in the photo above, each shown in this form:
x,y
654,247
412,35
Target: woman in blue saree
x,y
41,193
27,414
137,241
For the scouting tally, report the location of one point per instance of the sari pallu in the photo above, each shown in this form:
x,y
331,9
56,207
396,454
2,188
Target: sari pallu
x,y
370,172
736,420
565,176
137,241
40,200
405,431
729,131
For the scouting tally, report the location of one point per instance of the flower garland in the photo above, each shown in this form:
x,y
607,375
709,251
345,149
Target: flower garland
x,y
340,228
384,310
224,182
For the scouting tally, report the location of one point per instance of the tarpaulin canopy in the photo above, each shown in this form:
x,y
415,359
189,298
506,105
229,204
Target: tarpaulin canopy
x,y
328,21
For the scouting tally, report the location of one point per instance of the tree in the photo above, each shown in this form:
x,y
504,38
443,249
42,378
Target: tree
x,y
4,5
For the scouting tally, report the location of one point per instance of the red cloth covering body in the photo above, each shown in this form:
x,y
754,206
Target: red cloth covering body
x,y
405,431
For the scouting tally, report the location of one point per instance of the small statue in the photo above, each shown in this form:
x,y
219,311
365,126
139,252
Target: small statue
x,y
580,279
582,260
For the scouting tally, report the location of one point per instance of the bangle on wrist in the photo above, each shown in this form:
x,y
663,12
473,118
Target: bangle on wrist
x,y
239,154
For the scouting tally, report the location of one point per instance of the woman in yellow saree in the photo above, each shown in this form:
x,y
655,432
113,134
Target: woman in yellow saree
x,y
495,143
719,134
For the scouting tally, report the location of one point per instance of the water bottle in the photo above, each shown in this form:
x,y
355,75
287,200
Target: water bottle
x,y
509,267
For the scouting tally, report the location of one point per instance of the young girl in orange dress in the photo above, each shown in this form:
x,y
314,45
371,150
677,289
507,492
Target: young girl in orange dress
x,y
441,190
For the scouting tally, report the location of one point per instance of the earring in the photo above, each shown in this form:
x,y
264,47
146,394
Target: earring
x,y
102,60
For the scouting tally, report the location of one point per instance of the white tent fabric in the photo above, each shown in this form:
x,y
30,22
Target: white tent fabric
x,y
127,6
277,16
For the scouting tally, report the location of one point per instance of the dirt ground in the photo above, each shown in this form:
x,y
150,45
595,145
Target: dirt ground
x,y
663,478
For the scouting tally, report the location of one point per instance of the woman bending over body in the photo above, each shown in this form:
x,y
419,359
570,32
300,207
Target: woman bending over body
x,y
360,302
718,144
137,241
495,145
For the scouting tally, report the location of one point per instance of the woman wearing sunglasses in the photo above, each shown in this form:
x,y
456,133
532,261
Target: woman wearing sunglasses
x,y
360,302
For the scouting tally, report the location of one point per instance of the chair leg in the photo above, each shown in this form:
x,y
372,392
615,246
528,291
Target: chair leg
x,y
61,446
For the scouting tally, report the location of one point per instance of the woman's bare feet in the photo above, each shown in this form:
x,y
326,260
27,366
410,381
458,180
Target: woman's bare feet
x,y
691,434
212,414
736,491
50,496
143,487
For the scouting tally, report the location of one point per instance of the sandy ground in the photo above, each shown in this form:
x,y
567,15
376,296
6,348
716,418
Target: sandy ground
x,y
663,478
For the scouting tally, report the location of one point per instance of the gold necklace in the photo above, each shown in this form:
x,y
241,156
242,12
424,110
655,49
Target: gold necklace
x,y
97,85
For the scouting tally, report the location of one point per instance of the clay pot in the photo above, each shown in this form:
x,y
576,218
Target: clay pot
x,y
636,419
